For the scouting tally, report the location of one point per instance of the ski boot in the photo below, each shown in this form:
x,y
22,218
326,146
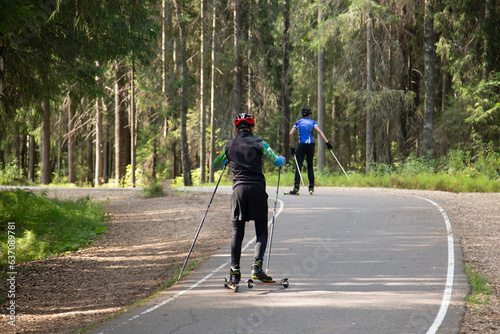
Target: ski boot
x,y
311,190
294,191
258,273
234,279
235,275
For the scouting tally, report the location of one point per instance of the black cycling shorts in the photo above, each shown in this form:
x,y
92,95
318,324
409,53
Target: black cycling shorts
x,y
249,202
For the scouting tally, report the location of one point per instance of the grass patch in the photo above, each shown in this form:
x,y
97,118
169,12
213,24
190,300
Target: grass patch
x,y
47,227
480,288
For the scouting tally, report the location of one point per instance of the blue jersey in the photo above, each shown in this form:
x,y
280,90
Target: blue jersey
x,y
306,130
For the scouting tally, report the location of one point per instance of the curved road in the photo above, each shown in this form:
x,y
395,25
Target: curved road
x,y
358,261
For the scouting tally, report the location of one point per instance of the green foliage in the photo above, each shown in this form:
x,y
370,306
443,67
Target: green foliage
x,y
140,178
47,227
155,189
9,174
480,288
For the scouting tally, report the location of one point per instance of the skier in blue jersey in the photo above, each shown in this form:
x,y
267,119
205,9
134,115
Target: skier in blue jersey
x,y
305,147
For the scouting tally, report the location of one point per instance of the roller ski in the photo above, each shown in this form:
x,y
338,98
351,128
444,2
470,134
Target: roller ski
x,y
250,283
233,282
294,191
260,277
311,190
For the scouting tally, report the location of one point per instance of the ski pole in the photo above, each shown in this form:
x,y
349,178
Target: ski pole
x,y
340,165
298,168
272,223
202,221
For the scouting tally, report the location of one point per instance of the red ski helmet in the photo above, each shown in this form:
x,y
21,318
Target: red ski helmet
x,y
244,120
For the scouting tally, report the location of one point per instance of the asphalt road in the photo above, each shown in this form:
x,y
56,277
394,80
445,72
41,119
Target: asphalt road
x,y
358,261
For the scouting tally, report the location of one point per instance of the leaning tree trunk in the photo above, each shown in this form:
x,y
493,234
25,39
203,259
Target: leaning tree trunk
x,y
186,169
428,140
46,170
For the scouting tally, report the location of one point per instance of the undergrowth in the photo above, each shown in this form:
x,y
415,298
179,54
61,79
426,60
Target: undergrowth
x,y
46,227
480,288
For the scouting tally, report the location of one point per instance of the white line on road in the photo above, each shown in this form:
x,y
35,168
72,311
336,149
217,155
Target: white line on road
x,y
451,272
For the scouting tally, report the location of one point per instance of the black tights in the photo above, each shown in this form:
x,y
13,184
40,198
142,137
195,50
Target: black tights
x,y
237,240
304,151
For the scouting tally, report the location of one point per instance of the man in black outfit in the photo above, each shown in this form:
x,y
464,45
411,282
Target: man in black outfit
x,y
249,198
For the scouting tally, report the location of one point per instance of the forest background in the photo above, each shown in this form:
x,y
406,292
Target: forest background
x,y
93,90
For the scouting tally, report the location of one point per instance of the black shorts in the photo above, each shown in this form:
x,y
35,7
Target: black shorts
x,y
249,202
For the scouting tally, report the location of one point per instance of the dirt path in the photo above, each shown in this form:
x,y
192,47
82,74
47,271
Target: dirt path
x,y
148,239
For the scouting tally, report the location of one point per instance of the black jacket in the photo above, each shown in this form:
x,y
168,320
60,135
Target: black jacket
x,y
244,153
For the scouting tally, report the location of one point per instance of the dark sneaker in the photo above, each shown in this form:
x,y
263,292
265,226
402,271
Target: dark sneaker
x,y
235,275
258,273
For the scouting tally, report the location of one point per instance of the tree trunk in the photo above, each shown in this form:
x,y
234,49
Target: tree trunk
x,y
122,133
489,6
428,140
71,139
46,168
370,77
99,148
31,158
166,47
106,161
212,96
238,71
132,124
186,169
90,154
99,152
321,98
22,161
285,101
59,145
202,96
